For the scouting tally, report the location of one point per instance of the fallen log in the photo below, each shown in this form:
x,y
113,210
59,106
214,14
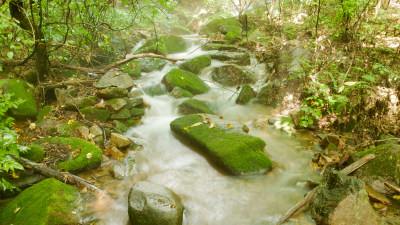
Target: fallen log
x,y
349,169
61,176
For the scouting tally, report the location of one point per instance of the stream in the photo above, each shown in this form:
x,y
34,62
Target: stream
x,y
209,195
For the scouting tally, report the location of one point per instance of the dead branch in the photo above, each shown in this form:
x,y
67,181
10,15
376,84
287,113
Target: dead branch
x,y
52,85
61,176
393,187
349,169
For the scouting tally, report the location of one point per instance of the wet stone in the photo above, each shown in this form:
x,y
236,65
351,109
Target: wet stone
x,y
120,140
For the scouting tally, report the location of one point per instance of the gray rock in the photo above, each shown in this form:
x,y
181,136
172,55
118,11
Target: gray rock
x,y
120,140
96,130
231,75
238,58
116,104
134,102
123,169
114,78
121,115
83,131
155,90
340,199
150,204
112,92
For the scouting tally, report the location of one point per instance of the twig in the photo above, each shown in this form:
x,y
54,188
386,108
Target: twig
x,y
352,167
393,187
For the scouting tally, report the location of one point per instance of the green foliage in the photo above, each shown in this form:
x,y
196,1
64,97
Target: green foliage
x,y
8,141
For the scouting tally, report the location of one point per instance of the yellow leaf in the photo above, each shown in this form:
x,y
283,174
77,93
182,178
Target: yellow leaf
x,y
33,139
186,127
70,122
197,124
212,125
396,197
229,126
14,175
16,210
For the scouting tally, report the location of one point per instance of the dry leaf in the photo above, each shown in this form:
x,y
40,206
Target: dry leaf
x,y
396,197
212,125
173,205
70,122
186,127
32,126
197,124
14,175
16,210
229,126
89,155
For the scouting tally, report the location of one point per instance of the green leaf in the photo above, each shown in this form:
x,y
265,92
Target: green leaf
x,y
10,55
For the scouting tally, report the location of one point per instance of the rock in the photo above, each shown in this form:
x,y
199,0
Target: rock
x,y
91,113
120,125
267,94
46,124
164,45
137,112
386,139
238,58
119,140
135,102
150,204
83,132
123,169
155,90
195,65
180,30
114,78
230,148
330,139
112,92
80,160
185,80
221,47
233,36
149,64
116,104
246,94
65,95
121,115
68,129
385,167
21,89
231,75
135,93
113,152
222,25
96,130
48,202
178,92
192,106
35,153
340,199
46,110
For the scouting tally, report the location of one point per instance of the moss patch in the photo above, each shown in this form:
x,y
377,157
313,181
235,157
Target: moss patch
x,y
46,110
223,25
192,106
92,113
196,64
47,202
185,80
80,149
68,129
235,152
137,112
233,36
35,153
231,75
164,45
246,94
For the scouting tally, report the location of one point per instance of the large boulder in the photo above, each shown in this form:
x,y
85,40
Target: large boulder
x,y
164,45
185,80
192,106
114,78
268,95
340,199
83,154
236,152
48,202
221,47
196,64
222,25
385,167
147,64
232,75
178,92
238,58
246,94
20,89
150,204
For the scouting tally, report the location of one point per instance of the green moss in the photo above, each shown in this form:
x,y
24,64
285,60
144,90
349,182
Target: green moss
x,y
192,106
219,47
155,90
174,44
92,113
246,94
185,80
137,112
153,46
196,64
178,92
35,153
223,25
237,153
164,45
46,110
132,69
68,130
386,139
112,92
81,162
45,203
232,75
121,126
123,114
180,30
20,89
233,36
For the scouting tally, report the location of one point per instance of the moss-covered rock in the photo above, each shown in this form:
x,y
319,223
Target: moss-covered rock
x,y
121,115
237,153
233,36
164,45
49,202
246,94
86,155
192,106
137,112
132,69
221,47
80,102
178,92
231,75
155,90
115,78
386,139
384,167
46,110
116,104
35,153
92,113
195,65
149,64
120,125
267,95
134,102
238,58
68,129
112,92
180,30
223,25
185,80
21,89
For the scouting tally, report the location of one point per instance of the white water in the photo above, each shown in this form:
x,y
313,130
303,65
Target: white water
x,y
209,196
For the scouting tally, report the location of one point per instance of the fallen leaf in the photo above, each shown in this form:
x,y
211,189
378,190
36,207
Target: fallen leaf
x,y
84,190
70,122
186,127
212,125
32,126
396,197
229,126
89,155
14,175
173,205
197,124
16,210
221,117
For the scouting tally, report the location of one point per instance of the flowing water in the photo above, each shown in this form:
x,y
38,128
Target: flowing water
x,y
210,196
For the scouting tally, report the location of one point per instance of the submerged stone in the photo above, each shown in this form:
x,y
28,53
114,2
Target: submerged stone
x,y
234,151
231,75
178,92
150,204
185,80
155,90
48,202
195,65
192,106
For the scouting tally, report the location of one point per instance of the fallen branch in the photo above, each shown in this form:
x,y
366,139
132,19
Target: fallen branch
x,y
116,64
349,169
52,85
61,176
393,187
